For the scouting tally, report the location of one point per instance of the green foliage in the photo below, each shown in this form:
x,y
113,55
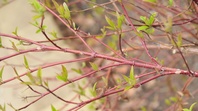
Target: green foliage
x,y
46,83
14,46
3,108
168,25
148,24
113,42
36,24
105,81
26,63
178,42
104,32
94,66
54,34
93,90
112,25
131,80
79,71
80,91
63,10
37,8
1,45
64,75
161,61
15,32
53,108
143,109
150,1
191,107
171,100
120,20
1,73
5,1
170,2
31,78
39,76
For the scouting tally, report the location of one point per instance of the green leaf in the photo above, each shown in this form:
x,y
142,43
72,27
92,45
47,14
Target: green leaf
x,y
1,45
111,23
54,34
142,28
3,108
139,34
83,65
150,30
152,18
127,88
94,66
46,83
63,10
170,2
112,44
127,79
38,8
82,91
105,81
15,32
131,80
53,108
1,73
64,75
150,1
14,46
26,63
132,75
143,108
79,71
31,78
93,90
120,20
179,40
143,18
168,25
168,102
66,11
192,106
39,76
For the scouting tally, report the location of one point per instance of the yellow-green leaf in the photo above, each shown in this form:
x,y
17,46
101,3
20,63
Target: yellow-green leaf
x,y
179,40
132,76
93,90
142,28
1,73
39,75
111,23
120,20
53,108
150,1
32,79
1,45
170,2
64,75
94,66
15,32
26,63
14,46
66,10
